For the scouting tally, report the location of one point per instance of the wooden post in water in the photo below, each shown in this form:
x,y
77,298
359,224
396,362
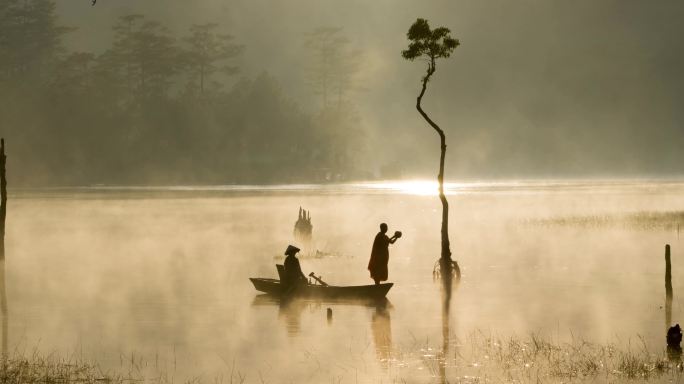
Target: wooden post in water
x,y
3,198
668,288
3,215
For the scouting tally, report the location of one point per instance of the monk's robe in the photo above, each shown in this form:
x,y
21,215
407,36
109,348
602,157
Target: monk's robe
x,y
379,257
293,271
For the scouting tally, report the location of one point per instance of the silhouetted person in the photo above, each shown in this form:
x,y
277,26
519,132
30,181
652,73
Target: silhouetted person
x,y
293,271
380,254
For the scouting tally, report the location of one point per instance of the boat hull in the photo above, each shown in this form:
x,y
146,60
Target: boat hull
x,y
273,287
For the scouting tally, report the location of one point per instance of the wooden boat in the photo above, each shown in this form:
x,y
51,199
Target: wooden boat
x,y
273,287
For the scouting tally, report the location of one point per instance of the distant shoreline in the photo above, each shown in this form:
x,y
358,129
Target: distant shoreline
x,y
394,187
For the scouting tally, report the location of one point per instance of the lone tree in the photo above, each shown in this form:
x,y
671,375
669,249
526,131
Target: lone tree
x,y
209,52
334,64
430,45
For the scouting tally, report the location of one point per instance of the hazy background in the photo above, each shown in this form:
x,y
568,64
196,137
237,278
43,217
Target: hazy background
x,y
537,89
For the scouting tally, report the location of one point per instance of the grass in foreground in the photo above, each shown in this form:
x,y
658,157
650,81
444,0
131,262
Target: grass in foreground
x,y
478,359
49,369
38,369
486,359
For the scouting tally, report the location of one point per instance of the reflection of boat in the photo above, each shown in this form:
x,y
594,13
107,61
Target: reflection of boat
x,y
273,287
290,310
283,301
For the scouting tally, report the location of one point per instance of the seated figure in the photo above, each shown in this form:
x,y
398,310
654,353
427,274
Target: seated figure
x,y
293,271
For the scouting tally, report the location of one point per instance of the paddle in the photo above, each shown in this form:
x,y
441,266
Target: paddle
x,y
318,279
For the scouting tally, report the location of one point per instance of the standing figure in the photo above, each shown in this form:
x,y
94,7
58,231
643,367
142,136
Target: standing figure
x,y
380,254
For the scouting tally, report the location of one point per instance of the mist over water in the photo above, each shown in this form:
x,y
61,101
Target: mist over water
x,y
157,279
158,153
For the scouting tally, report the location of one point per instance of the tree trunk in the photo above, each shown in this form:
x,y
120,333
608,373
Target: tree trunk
x,y
446,251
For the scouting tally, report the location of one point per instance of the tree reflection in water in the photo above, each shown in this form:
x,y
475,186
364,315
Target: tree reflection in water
x,y
449,283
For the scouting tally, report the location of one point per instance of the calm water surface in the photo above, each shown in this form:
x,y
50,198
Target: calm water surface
x,y
156,279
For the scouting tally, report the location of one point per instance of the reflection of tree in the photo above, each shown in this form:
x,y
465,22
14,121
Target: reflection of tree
x,y
442,355
381,326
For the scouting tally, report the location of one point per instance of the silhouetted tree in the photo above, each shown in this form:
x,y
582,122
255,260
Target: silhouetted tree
x,y
429,44
209,52
80,111
7,31
157,58
334,64
30,40
122,53
288,131
73,74
333,74
144,55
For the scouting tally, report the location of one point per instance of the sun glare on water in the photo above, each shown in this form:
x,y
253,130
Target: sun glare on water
x,y
410,187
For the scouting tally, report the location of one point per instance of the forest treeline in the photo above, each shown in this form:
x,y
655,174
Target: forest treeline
x,y
155,108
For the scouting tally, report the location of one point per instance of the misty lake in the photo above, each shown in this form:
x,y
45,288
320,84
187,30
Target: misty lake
x,y
155,280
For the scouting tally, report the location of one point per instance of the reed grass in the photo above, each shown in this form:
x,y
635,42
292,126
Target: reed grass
x,y
667,221
479,358
37,368
51,369
484,358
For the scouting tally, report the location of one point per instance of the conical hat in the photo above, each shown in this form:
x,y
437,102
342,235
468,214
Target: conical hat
x,y
291,250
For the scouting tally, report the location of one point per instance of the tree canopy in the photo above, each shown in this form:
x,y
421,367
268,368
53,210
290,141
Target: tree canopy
x,y
429,43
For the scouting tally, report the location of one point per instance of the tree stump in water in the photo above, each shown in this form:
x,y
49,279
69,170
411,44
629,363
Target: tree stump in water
x,y
303,228
438,270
